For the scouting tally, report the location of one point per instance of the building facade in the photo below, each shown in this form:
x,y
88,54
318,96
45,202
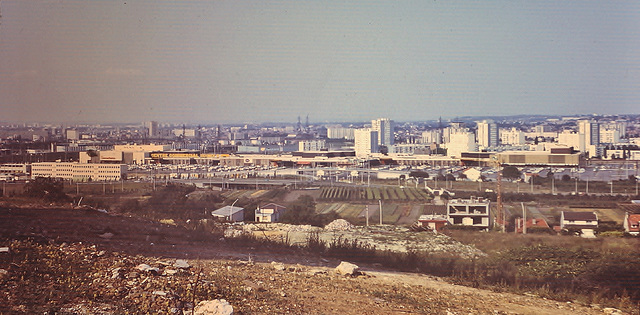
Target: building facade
x,y
384,127
79,171
366,141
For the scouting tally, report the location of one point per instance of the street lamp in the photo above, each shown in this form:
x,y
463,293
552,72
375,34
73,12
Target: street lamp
x,y
231,210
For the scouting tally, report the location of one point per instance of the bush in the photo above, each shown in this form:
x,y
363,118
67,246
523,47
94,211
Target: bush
x,y
46,188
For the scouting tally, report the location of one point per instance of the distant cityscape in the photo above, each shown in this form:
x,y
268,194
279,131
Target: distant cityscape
x,y
521,141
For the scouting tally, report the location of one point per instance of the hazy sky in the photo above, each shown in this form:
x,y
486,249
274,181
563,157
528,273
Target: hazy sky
x,y
254,61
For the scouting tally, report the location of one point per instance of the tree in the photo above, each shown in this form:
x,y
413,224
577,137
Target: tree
x,y
46,188
419,174
511,172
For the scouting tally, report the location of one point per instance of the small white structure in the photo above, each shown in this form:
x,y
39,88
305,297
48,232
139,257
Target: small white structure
x,y
229,213
269,213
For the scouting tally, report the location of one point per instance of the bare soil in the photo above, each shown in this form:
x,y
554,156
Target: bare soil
x,y
244,276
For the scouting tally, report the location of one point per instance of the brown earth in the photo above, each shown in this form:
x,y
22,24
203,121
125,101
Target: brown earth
x,y
219,269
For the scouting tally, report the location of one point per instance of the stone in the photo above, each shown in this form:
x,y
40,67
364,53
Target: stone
x,y
182,264
160,293
169,272
214,307
107,235
3,273
347,269
4,250
147,268
278,266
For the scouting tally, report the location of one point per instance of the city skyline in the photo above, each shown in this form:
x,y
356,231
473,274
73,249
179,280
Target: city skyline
x,y
228,62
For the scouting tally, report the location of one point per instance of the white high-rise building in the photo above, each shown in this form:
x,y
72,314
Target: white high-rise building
x,y
311,145
461,142
512,136
571,139
340,133
487,134
366,141
590,132
609,136
432,136
384,127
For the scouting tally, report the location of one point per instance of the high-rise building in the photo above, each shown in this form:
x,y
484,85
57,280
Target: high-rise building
x,y
366,141
590,131
512,136
461,142
384,127
340,133
152,128
487,134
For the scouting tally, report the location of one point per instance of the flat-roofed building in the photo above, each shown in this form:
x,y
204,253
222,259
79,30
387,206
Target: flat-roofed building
x,y
473,212
79,171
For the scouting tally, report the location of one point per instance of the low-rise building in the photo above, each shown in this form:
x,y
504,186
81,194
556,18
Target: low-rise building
x,y
229,213
631,223
533,223
585,222
79,171
269,213
434,222
473,212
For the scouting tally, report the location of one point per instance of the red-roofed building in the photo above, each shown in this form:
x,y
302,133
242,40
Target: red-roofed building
x,y
632,223
531,223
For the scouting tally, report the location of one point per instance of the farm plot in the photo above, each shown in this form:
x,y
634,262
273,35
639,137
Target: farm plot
x,y
373,193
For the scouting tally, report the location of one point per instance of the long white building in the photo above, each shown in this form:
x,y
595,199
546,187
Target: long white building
x,y
79,171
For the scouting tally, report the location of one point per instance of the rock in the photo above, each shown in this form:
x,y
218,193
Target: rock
x,y
169,272
278,266
147,268
347,269
133,275
3,273
214,307
182,264
611,310
4,250
160,293
106,236
115,273
252,286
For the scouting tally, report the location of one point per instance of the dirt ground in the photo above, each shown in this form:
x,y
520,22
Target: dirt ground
x,y
246,277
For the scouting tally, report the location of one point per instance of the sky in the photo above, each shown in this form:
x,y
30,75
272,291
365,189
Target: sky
x,y
335,61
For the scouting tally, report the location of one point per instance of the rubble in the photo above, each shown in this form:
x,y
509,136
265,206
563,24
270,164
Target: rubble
x,y
339,225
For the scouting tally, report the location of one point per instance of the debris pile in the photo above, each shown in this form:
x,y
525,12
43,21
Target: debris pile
x,y
339,225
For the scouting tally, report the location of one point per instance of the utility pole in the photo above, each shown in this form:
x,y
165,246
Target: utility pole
x,y
499,197
367,214
524,219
